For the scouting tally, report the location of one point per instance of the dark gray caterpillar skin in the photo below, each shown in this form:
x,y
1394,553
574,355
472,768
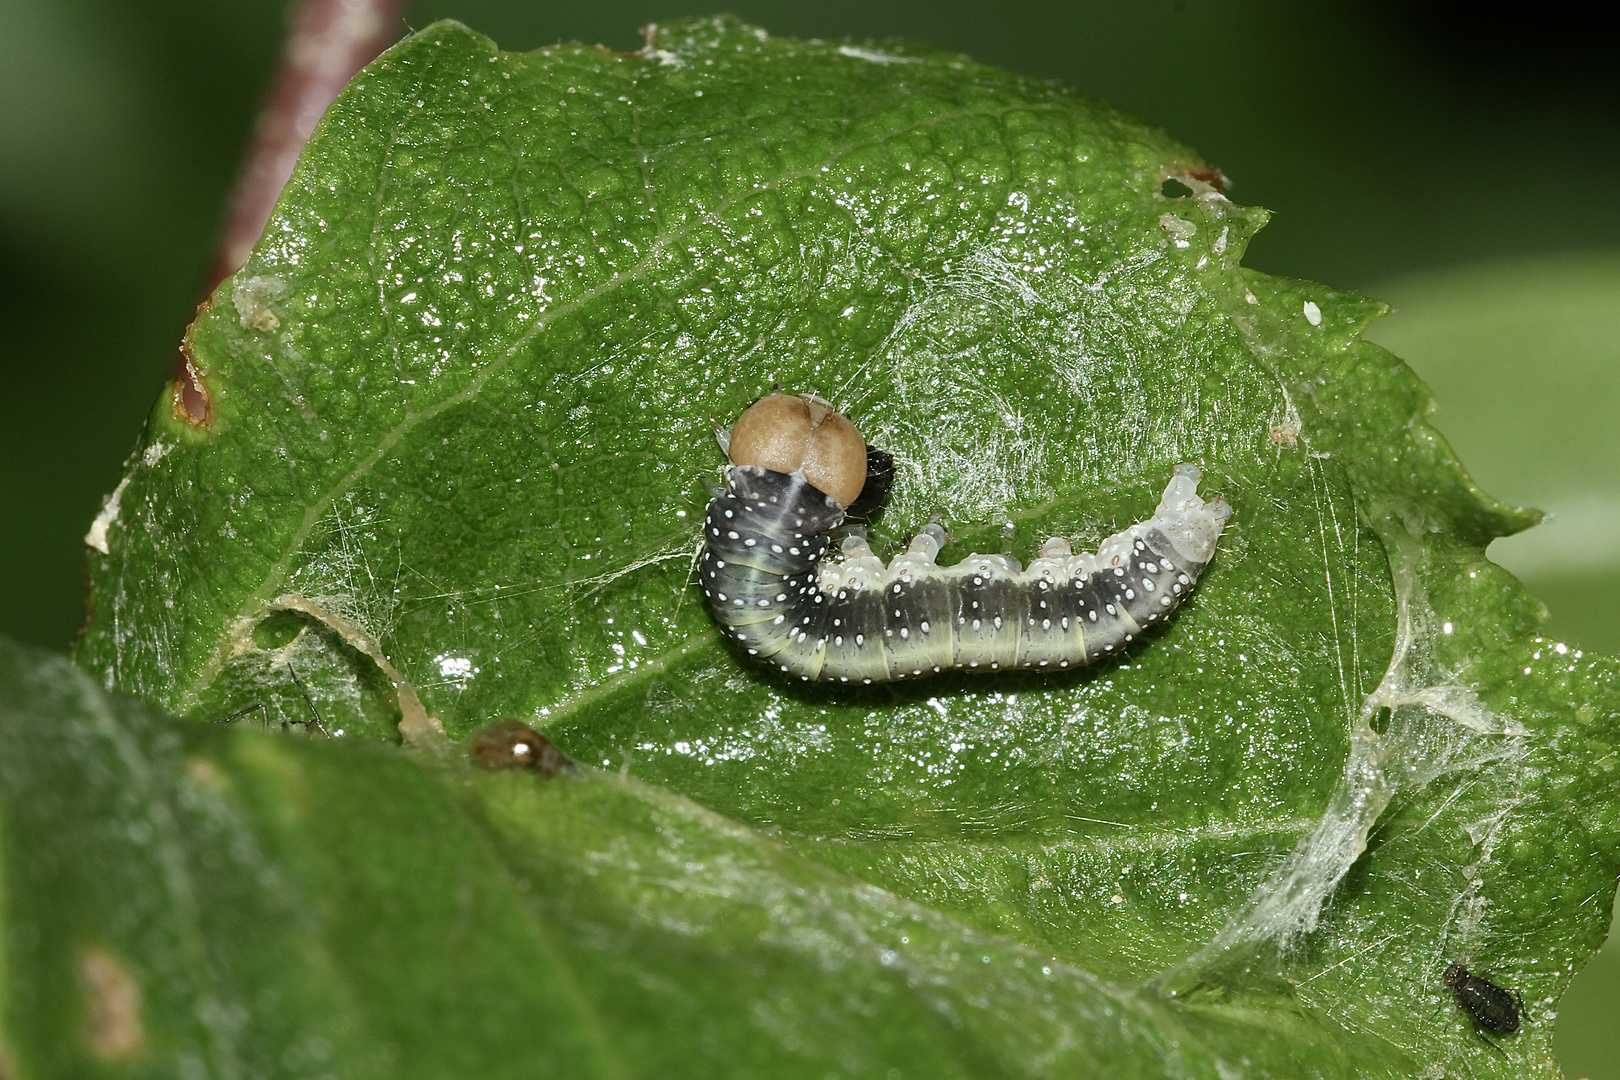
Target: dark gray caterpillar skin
x,y
858,621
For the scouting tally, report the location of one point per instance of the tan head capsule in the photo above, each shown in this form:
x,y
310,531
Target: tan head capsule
x,y
800,433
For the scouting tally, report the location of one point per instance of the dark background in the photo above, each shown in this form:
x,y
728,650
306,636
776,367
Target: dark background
x,y
1396,142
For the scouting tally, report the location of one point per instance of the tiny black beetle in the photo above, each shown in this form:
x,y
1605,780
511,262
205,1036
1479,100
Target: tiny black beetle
x,y
1493,1008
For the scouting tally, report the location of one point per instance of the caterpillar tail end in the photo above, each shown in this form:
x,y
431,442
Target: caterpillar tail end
x,y
1192,524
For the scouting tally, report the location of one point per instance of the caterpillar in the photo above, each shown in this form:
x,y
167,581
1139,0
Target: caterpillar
x,y
797,465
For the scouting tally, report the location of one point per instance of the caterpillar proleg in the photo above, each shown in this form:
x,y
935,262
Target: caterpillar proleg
x,y
796,466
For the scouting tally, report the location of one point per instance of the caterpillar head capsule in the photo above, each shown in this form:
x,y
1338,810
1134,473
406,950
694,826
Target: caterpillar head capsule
x,y
800,433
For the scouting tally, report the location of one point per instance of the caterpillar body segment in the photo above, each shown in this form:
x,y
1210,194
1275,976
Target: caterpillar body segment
x,y
858,620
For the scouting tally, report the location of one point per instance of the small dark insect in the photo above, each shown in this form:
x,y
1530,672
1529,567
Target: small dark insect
x,y
314,713
1494,1009
508,744
264,713
258,707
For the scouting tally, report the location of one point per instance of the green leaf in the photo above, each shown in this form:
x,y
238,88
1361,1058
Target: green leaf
x,y
190,900
1521,356
457,448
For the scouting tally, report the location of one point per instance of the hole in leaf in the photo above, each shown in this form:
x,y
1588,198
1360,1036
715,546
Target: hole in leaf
x,y
190,398
191,402
277,629
1174,189
299,671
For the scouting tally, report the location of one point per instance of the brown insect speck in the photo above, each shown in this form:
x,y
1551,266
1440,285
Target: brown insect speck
x,y
1285,433
1210,175
512,744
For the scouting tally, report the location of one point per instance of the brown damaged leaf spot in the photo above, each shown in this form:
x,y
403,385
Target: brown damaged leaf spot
x,y
189,394
1185,180
1209,174
112,1002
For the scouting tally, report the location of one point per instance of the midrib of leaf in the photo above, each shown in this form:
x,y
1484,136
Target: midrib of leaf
x,y
561,970
255,606
1136,840
582,701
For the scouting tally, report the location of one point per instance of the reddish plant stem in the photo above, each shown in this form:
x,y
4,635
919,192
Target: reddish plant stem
x,y
328,41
